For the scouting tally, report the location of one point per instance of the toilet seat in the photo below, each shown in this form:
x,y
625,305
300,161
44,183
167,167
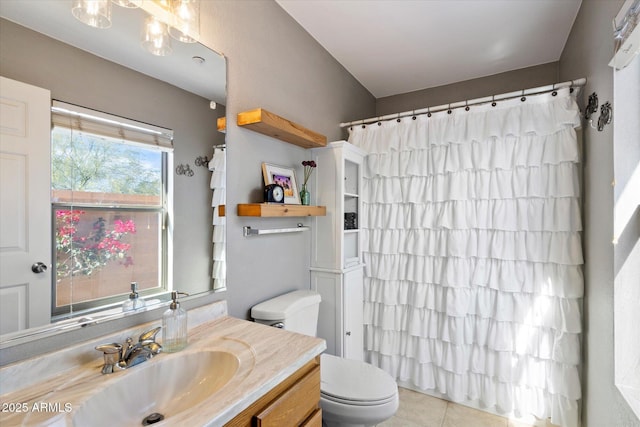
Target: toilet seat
x,y
352,382
356,402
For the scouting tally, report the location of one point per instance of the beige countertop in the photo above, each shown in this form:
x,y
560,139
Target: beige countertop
x,y
267,356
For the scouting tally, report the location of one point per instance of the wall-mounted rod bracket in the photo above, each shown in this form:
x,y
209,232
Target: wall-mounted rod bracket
x,y
183,169
248,231
202,161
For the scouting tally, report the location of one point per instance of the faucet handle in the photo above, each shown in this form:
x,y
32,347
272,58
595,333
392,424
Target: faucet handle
x,y
152,346
149,335
112,353
112,348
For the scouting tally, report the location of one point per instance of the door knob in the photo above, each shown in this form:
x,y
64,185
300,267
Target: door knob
x,y
39,267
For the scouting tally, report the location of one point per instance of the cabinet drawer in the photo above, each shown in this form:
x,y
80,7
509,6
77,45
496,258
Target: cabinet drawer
x,y
314,420
295,405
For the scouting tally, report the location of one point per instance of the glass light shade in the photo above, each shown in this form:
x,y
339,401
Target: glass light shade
x,y
186,20
155,37
95,13
129,4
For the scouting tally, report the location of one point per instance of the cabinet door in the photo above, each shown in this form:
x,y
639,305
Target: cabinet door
x,y
353,297
330,323
351,206
295,401
326,230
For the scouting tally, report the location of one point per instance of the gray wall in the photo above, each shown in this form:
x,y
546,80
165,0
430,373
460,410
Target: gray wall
x,y
274,64
586,54
539,75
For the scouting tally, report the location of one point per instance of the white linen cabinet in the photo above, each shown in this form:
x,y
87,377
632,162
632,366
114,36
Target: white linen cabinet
x,y
336,252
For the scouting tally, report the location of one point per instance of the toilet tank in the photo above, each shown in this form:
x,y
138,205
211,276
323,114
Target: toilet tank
x,y
296,311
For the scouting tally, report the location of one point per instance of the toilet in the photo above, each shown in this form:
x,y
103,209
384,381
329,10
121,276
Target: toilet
x,y
352,393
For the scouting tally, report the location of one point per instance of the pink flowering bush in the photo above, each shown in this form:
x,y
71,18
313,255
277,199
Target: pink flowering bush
x,y
84,254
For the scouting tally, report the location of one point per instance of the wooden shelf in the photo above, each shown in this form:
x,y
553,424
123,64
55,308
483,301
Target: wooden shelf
x,y
222,124
267,123
279,210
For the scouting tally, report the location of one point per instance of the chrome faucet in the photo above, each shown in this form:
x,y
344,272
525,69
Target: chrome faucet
x,y
123,356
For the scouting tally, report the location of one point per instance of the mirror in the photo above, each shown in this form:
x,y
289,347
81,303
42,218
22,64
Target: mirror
x,y
108,71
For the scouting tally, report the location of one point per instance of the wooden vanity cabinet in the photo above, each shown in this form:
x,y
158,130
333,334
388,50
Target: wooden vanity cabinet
x,y
293,402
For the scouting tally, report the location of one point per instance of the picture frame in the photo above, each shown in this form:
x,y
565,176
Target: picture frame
x,y
286,178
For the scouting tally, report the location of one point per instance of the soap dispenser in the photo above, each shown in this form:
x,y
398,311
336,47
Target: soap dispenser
x,y
134,302
174,326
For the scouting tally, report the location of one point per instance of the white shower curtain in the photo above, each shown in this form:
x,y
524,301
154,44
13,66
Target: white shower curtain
x,y
473,253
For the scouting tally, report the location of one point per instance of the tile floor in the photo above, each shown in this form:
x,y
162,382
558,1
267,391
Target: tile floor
x,y
420,410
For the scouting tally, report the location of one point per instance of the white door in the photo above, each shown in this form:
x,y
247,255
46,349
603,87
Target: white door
x,y
25,219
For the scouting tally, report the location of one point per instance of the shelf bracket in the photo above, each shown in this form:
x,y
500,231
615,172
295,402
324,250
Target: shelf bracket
x,y
248,231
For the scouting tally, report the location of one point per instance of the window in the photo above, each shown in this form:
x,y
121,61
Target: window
x,y
111,203
626,220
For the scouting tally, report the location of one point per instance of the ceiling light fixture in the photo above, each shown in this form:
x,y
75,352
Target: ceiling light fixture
x,y
129,4
186,20
95,13
178,19
155,37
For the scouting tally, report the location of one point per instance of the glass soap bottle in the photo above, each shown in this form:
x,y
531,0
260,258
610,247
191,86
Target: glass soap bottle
x,y
134,302
174,326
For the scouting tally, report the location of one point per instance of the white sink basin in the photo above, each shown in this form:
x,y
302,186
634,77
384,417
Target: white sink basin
x,y
166,385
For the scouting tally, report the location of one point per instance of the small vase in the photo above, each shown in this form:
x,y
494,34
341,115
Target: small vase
x,y
305,196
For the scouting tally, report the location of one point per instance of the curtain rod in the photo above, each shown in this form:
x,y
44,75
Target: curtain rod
x,y
533,91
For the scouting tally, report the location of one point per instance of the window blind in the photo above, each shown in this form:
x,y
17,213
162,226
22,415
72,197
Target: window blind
x,y
95,122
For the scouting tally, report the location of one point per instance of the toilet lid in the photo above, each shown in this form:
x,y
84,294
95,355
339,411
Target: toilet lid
x,y
284,306
355,381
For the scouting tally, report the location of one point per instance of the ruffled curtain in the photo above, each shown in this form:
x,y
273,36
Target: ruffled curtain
x,y
473,277
217,166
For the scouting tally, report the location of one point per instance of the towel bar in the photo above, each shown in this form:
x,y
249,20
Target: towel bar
x,y
248,231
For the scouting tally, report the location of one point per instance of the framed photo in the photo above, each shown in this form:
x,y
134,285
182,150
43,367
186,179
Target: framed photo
x,y
286,178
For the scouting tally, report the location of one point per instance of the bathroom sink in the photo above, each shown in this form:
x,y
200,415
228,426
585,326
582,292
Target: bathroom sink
x,y
164,387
